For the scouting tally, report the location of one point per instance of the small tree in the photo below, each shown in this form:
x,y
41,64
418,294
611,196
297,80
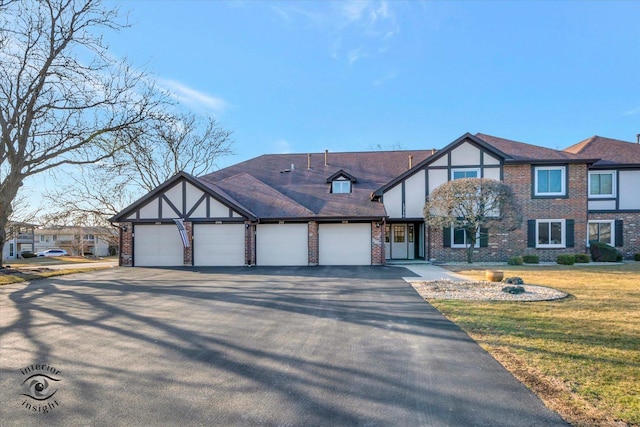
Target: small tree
x,y
473,204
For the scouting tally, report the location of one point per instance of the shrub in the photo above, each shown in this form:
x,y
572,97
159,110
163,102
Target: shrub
x,y
28,254
601,252
637,257
531,259
515,260
582,258
566,259
513,281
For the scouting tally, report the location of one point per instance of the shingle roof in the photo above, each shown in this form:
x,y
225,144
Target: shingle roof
x,y
271,188
609,151
522,152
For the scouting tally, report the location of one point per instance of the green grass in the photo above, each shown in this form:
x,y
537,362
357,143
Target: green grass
x,y
581,355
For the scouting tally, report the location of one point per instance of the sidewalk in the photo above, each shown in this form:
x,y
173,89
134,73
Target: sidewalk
x,y
430,272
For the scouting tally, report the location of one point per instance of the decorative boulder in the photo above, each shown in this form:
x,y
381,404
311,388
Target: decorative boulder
x,y
513,290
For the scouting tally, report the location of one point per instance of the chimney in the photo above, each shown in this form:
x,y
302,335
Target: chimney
x,y
326,155
433,151
410,161
309,161
638,138
293,166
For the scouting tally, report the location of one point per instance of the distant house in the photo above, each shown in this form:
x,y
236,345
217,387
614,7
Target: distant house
x,y
20,237
98,241
364,208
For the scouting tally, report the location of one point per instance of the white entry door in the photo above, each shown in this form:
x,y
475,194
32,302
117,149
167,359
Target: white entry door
x,y
399,249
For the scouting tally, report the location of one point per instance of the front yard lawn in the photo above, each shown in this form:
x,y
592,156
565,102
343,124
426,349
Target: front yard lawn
x,y
581,355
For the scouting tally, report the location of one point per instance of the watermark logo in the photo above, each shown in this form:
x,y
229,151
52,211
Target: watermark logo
x,y
40,385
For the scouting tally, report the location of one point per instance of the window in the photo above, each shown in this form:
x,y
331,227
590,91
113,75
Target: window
x,y
550,233
602,184
54,238
459,237
465,173
387,233
11,249
601,231
398,234
410,227
42,239
89,237
550,181
341,186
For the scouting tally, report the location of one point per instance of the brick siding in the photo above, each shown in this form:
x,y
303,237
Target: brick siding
x,y
631,230
313,243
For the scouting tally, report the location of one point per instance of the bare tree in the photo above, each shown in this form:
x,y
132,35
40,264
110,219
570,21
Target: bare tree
x,y
179,142
472,205
63,100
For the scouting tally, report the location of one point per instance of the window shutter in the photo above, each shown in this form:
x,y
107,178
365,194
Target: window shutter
x,y
484,237
569,224
446,237
619,235
531,233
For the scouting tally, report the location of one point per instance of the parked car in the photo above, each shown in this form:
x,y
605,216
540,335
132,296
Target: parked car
x,y
27,254
53,252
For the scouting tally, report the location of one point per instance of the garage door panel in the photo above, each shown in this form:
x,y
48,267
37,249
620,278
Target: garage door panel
x,y
344,244
157,245
282,244
219,245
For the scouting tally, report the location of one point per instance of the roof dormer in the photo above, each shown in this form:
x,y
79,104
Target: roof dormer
x,y
341,182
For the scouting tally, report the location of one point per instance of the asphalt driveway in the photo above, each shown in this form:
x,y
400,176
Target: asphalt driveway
x,y
246,346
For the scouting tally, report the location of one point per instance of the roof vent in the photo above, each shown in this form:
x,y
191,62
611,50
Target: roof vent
x,y
326,156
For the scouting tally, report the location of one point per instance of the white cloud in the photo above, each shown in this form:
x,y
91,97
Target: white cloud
x,y
358,28
282,147
632,112
192,97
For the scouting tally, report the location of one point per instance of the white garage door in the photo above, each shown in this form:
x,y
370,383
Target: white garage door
x,y
282,244
218,244
344,244
157,246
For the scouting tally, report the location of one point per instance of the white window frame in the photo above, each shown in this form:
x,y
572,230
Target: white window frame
x,y
343,184
563,234
563,180
613,184
611,222
476,170
464,245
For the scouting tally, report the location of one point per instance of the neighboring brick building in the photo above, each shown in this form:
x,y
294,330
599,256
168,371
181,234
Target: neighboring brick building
x,y
365,208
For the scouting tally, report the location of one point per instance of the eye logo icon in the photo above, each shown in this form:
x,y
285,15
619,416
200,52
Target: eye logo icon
x,y
40,386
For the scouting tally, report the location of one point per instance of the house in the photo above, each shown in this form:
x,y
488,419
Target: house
x,y
19,238
98,241
364,208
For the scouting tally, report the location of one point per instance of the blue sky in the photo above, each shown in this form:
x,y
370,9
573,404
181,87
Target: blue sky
x,y
304,76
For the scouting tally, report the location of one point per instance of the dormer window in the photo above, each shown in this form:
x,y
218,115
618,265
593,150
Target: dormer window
x,y
341,185
341,182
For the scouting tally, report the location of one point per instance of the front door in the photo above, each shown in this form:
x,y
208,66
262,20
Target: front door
x,y
399,241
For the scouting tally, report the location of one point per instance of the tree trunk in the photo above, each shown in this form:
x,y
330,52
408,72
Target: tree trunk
x,y
8,191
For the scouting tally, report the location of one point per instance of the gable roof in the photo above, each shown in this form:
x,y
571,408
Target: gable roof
x,y
520,152
611,152
211,191
280,186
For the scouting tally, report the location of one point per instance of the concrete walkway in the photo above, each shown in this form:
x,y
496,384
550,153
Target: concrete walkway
x,y
430,272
